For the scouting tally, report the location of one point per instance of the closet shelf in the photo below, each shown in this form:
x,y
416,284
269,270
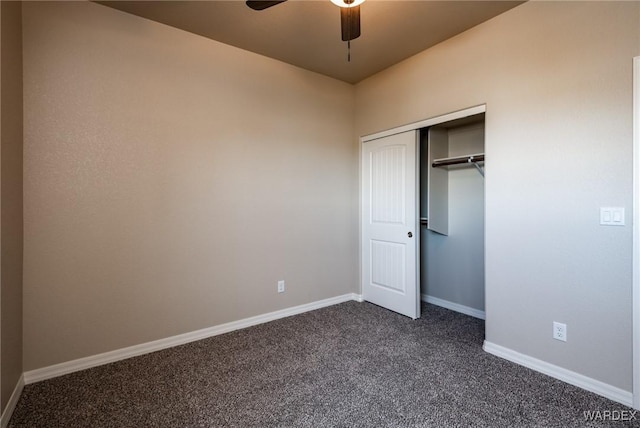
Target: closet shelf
x,y
456,160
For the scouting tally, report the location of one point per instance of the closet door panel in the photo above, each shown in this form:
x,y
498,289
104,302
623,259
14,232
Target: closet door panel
x,y
389,239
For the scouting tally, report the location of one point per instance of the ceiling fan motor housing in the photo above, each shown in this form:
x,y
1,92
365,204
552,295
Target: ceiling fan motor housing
x,y
349,14
350,22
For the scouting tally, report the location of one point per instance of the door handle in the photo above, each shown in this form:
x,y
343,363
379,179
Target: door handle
x,y
410,235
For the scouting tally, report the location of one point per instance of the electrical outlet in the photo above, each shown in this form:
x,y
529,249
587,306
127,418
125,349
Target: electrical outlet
x,y
281,286
560,331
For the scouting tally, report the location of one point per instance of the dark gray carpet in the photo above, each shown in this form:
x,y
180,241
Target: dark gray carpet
x,y
350,365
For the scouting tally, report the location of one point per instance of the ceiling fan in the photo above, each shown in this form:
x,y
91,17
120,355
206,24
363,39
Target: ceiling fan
x,y
349,16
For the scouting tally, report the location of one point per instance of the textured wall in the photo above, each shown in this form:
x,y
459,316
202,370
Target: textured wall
x,y
10,198
557,81
171,180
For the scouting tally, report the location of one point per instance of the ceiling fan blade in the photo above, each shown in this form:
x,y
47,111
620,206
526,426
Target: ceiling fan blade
x,y
263,4
350,22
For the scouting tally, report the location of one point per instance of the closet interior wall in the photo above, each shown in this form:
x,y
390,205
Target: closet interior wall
x,y
452,265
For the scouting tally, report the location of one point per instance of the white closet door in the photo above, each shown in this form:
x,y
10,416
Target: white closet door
x,y
389,238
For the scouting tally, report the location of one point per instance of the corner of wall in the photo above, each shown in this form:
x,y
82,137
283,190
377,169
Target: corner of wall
x,y
11,231
7,412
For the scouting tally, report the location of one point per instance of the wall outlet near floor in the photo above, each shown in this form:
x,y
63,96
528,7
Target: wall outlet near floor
x,y
281,286
560,331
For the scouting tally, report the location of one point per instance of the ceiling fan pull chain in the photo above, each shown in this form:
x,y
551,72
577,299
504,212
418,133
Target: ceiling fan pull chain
x,y
348,50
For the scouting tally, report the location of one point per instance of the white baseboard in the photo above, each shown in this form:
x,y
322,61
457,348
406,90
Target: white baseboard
x,y
476,313
157,345
11,404
573,378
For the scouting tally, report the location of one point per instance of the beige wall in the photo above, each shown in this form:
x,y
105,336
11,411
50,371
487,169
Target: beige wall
x,y
10,199
171,180
557,81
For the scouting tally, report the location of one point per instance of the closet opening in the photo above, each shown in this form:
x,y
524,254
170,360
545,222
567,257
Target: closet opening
x,y
451,192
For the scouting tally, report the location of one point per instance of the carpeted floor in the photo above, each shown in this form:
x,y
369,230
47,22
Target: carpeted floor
x,y
349,365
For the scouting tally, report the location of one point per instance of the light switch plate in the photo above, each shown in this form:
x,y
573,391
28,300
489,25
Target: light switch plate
x,y
612,216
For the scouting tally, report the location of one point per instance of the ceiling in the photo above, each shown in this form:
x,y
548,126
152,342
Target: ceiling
x,y
306,33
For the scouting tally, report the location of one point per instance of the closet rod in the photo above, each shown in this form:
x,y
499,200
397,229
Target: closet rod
x,y
458,160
